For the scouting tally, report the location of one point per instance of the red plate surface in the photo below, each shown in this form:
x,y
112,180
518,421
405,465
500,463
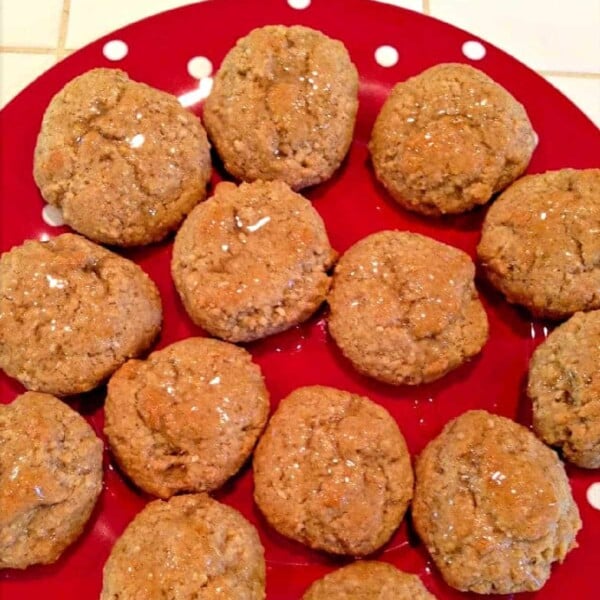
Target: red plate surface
x,y
352,205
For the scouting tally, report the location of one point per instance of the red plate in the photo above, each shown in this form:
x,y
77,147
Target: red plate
x,y
352,205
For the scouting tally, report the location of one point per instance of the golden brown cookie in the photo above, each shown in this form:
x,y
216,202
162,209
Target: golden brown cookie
x,y
124,161
252,261
564,385
368,580
540,243
332,471
404,308
448,139
493,505
186,418
283,106
71,313
189,547
50,479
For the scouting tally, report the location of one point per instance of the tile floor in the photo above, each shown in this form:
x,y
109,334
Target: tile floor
x,y
559,39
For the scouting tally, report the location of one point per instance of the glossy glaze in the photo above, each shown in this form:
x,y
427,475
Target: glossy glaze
x,y
352,205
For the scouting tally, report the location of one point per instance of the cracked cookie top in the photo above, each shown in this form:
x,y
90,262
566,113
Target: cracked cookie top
x,y
493,505
124,161
71,313
189,547
404,308
50,478
252,261
540,243
448,139
186,418
332,471
283,106
564,385
368,579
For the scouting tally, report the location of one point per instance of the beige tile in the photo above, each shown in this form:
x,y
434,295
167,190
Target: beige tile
x,y
30,22
91,19
583,92
18,70
412,4
554,35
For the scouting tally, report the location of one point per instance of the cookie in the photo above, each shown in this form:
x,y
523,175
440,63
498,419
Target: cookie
x,y
189,547
448,139
50,479
404,308
123,161
540,243
71,313
368,580
252,261
564,385
493,505
187,418
283,106
332,471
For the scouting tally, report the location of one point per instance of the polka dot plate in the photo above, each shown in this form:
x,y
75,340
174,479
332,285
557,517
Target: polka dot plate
x,y
178,51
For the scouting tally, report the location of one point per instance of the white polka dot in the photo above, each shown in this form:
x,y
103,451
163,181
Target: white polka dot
x,y
115,50
205,87
196,95
386,56
299,4
593,495
199,67
473,50
52,216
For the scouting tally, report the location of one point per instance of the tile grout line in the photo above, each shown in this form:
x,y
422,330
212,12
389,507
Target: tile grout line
x,y
572,74
61,52
62,32
27,50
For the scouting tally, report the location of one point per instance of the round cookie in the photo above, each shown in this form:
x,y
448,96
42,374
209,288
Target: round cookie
x,y
252,261
50,479
186,418
283,106
189,547
368,580
124,161
448,139
564,385
71,313
404,308
540,243
332,471
493,505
